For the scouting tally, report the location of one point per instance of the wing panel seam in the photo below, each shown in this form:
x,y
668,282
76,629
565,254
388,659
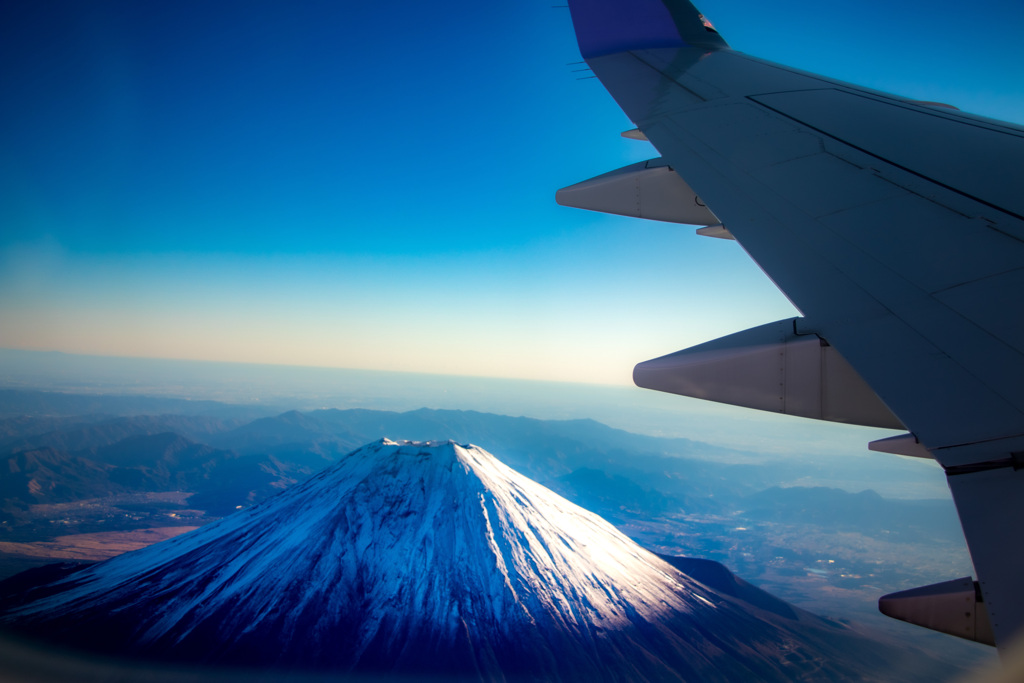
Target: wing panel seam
x,y
753,98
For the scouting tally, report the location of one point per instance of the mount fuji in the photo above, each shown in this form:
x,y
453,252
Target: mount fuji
x,y
434,558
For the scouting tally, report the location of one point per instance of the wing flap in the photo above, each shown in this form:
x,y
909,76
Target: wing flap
x,y
954,607
647,189
774,368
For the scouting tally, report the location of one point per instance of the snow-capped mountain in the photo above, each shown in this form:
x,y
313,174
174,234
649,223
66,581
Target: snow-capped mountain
x,y
429,558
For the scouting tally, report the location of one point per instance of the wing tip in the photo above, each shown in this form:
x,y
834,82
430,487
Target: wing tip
x,y
609,26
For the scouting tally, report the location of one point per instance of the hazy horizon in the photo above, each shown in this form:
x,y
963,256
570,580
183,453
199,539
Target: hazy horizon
x,y
755,435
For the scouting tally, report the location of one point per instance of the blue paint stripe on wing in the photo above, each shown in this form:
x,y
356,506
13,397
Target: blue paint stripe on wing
x,y
607,26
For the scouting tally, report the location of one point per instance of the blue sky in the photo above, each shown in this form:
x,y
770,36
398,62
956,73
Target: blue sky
x,y
372,186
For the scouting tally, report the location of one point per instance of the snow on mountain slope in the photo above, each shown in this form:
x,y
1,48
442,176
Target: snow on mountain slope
x,y
427,558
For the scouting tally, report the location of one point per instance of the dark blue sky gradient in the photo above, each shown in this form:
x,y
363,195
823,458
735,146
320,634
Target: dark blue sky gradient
x,y
288,181
259,126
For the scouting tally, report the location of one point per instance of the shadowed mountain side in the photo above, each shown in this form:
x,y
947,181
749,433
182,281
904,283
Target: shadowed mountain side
x,y
716,575
13,429
45,475
30,584
219,480
435,558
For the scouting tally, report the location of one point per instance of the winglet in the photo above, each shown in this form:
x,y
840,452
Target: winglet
x,y
607,26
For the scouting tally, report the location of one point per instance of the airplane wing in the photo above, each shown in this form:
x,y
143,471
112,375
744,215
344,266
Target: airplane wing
x,y
895,227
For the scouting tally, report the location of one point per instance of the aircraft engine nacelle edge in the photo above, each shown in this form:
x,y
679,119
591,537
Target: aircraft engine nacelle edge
x,y
647,189
772,368
955,607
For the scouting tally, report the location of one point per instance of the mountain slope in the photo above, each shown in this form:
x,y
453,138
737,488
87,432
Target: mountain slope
x,y
431,558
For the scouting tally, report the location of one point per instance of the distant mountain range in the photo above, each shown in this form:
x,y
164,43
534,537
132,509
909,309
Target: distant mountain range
x,y
435,559
229,460
219,480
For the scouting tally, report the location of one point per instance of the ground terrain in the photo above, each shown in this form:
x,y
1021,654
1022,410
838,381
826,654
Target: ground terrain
x,y
87,486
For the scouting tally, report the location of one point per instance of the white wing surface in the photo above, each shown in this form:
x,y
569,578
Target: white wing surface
x,y
895,227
